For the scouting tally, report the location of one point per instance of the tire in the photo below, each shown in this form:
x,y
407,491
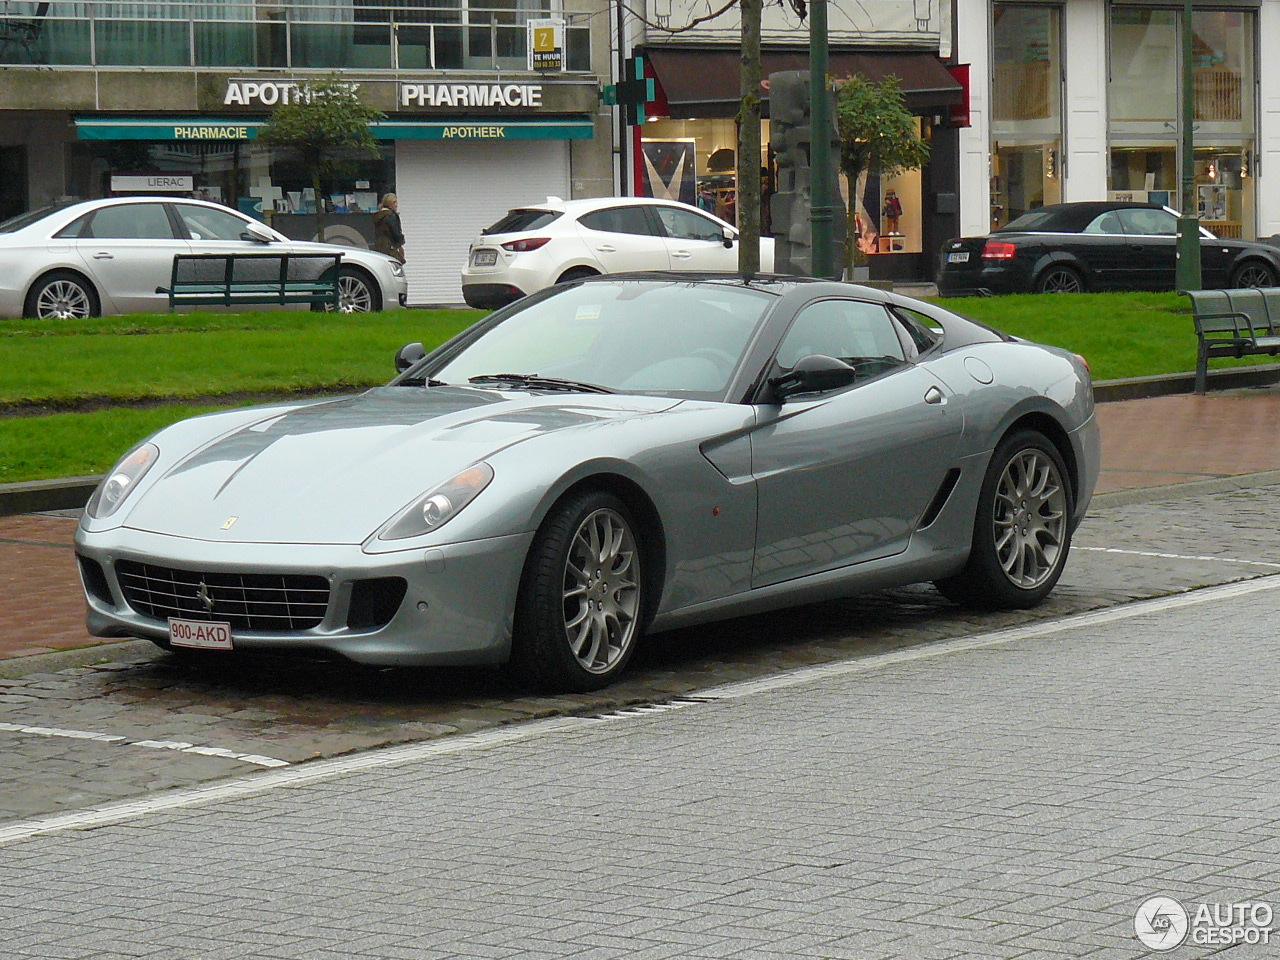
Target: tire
x,y
576,273
1060,279
357,293
61,295
577,623
1021,542
1253,273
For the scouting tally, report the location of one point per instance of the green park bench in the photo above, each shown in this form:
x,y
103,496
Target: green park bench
x,y
233,279
1234,323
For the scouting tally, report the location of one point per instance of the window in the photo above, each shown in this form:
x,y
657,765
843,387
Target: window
x,y
1144,222
518,221
686,225
860,334
630,219
131,221
1105,223
205,223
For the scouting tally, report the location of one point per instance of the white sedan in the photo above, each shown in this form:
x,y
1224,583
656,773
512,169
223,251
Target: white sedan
x,y
561,240
110,256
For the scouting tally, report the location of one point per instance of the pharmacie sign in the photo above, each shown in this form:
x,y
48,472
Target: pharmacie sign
x,y
527,95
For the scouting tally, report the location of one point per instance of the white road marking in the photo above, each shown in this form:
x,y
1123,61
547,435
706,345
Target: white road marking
x,y
319,770
1177,556
255,759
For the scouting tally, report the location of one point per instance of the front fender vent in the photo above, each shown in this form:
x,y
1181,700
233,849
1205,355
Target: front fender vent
x,y
940,498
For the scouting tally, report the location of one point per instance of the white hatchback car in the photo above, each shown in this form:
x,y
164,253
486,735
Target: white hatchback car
x,y
560,240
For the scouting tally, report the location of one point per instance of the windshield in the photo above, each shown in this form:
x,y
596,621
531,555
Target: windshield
x,y
665,338
15,224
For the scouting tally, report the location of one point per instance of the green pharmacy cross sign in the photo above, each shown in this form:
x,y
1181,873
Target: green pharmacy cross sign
x,y
633,92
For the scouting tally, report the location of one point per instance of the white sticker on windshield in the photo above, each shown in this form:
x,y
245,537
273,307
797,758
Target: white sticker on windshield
x,y
588,311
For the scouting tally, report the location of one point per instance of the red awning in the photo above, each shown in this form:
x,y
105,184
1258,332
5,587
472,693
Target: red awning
x,y
704,83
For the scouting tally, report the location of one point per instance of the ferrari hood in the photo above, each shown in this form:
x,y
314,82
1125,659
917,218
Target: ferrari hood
x,y
334,472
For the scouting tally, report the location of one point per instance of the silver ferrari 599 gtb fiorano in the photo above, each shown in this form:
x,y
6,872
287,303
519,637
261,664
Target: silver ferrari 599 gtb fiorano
x,y
604,458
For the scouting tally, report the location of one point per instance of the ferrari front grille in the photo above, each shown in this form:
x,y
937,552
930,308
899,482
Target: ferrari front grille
x,y
266,602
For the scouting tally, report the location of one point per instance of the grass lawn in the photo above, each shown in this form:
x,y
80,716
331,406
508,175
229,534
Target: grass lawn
x,y
199,355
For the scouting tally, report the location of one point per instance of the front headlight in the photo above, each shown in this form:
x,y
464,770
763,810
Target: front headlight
x,y
437,507
397,268
124,476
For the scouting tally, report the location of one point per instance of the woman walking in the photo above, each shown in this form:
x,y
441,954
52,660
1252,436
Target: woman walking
x,y
388,237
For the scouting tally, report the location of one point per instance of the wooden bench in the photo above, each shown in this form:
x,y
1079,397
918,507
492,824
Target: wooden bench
x,y
1234,323
232,279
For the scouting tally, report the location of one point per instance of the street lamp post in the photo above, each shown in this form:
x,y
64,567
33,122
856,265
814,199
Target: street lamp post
x,y
1188,271
820,187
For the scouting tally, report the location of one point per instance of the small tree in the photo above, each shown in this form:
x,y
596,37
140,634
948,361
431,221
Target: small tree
x,y
324,124
877,134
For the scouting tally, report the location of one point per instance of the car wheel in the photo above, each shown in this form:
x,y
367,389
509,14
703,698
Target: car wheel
x,y
61,295
1253,273
580,606
576,273
1022,529
1059,280
357,293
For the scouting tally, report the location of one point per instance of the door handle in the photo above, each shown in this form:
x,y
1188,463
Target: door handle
x,y
607,248
934,395
103,255
1138,247
681,254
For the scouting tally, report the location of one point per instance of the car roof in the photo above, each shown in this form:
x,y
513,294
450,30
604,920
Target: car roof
x,y
1072,217
585,205
778,283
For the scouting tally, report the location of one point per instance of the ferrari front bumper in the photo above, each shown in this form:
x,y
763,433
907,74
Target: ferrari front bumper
x,y
457,608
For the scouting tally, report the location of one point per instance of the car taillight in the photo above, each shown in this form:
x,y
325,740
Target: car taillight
x,y
1085,362
998,250
524,246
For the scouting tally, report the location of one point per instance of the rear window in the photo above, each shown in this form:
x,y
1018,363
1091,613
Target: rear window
x,y
517,221
1033,220
14,224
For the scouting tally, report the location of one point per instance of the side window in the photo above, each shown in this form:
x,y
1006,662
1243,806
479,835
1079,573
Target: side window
x,y
1106,223
206,223
131,221
861,334
687,225
1145,222
75,228
630,219
922,331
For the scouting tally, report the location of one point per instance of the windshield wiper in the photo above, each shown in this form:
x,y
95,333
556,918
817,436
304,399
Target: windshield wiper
x,y
535,382
422,382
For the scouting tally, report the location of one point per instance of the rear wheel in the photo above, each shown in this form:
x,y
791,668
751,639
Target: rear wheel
x,y
1022,529
1253,273
61,295
1059,279
579,610
357,293
576,273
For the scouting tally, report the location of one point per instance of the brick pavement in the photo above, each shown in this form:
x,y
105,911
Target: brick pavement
x,y
1014,800
1146,443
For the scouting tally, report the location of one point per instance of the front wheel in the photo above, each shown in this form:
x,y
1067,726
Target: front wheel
x,y
357,293
1253,273
580,606
1022,529
1059,280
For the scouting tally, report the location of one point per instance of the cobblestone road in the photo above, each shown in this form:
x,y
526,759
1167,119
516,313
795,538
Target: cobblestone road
x,y
148,721
995,797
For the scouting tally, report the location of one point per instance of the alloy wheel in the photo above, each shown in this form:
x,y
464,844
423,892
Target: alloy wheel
x,y
1254,275
601,591
1061,281
1029,519
63,300
353,295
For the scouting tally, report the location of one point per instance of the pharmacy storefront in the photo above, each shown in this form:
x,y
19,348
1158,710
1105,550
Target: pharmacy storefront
x,y
458,155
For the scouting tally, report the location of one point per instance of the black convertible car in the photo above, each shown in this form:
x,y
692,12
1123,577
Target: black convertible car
x,y
1077,247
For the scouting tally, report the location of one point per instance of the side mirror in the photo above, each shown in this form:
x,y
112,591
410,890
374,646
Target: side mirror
x,y
257,233
729,237
408,355
812,374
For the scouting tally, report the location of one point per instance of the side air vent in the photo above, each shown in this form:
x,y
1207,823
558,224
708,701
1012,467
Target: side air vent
x,y
375,602
95,581
940,498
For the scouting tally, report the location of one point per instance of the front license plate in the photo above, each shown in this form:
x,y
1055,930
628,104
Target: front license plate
x,y
960,257
201,634
484,258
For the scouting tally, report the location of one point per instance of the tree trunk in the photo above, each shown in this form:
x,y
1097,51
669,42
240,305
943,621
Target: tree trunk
x,y
315,185
748,185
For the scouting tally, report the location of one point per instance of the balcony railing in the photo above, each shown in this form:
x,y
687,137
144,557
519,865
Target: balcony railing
x,y
412,35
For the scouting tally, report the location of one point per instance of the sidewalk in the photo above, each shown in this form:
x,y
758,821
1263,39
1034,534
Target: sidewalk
x,y
1146,444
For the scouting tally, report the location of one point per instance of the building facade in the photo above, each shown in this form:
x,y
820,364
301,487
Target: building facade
x,y
99,99
1082,100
